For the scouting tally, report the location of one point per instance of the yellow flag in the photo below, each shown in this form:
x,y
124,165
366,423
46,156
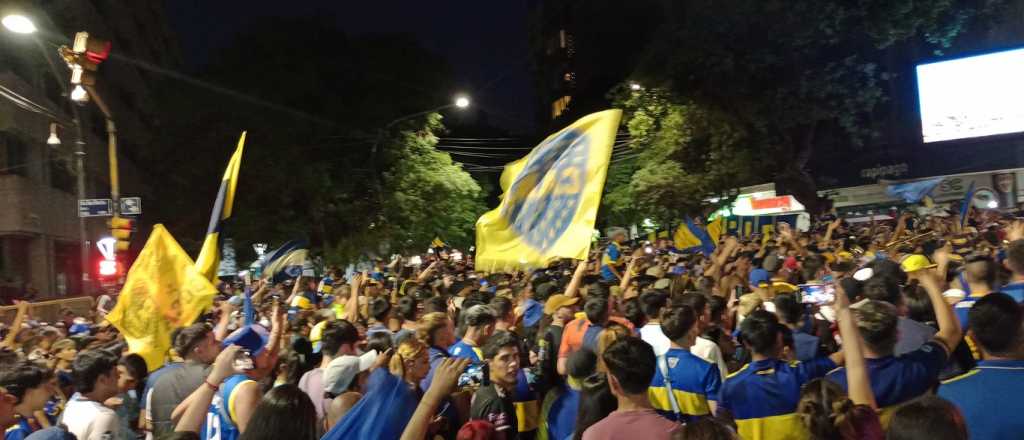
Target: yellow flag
x,y
209,256
550,198
163,291
715,229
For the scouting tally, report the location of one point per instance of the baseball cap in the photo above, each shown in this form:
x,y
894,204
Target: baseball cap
x,y
656,272
340,373
252,337
662,284
476,430
758,277
558,301
916,262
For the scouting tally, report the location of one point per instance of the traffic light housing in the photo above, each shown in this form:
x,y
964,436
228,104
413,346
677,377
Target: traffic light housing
x,y
84,58
121,229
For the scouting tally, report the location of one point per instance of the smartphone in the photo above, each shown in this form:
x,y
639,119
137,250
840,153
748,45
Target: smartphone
x,y
243,361
648,250
817,294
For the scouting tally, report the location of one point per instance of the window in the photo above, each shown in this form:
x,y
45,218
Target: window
x,y
13,156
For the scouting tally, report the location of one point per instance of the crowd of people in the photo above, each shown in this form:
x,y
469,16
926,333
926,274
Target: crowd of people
x,y
907,330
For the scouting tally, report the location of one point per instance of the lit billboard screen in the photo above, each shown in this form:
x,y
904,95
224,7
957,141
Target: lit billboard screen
x,y
971,97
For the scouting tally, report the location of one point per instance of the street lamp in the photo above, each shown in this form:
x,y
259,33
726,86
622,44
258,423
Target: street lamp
x,y
461,102
79,94
18,23
53,139
635,86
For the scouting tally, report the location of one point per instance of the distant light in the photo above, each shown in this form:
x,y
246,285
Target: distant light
x,y
462,102
79,94
635,86
108,267
993,204
19,24
53,139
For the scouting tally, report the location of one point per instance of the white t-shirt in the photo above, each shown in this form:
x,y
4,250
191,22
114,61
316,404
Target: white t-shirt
x,y
89,420
703,348
652,334
710,352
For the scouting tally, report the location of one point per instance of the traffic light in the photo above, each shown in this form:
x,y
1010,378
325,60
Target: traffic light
x,y
121,229
84,58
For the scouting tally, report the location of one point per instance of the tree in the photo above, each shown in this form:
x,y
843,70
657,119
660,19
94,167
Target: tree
x,y
313,106
752,88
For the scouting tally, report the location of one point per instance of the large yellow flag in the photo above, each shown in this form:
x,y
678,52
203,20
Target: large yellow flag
x,y
550,198
209,256
164,290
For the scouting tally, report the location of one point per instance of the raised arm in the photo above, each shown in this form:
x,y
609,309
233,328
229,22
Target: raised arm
x,y
192,411
19,318
577,278
352,307
445,378
856,368
949,329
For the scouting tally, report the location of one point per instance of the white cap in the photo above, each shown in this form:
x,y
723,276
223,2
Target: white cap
x,y
340,373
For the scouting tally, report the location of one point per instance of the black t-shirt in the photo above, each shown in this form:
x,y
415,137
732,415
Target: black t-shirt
x,y
489,405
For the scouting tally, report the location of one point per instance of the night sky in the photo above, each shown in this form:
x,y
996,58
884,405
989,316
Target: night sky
x,y
484,41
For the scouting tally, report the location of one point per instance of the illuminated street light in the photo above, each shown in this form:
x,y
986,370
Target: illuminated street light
x,y
79,94
462,102
53,139
19,24
635,86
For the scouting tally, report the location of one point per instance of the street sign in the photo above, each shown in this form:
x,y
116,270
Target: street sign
x,y
131,205
95,208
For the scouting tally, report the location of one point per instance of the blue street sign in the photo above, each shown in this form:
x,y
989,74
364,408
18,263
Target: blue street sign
x,y
131,205
95,208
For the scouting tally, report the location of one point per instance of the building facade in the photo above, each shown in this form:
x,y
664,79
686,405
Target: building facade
x,y
39,226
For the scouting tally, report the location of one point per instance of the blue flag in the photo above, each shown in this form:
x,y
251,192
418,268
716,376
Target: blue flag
x,y
381,414
250,312
965,206
913,192
286,261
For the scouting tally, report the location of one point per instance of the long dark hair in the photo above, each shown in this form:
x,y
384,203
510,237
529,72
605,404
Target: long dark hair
x,y
284,412
596,402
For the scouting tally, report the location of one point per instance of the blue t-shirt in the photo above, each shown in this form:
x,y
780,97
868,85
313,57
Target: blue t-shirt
x,y
694,382
612,256
898,379
562,414
220,418
20,430
762,396
463,350
989,398
1015,290
806,345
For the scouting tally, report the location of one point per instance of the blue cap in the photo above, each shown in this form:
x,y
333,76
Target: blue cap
x,y
758,276
532,313
252,337
79,328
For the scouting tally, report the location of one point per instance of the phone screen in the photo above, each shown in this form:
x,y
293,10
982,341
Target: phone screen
x,y
817,294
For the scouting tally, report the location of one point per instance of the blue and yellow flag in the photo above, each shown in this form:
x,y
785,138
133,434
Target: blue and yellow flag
x,y
965,206
693,238
438,243
550,198
164,290
209,256
286,261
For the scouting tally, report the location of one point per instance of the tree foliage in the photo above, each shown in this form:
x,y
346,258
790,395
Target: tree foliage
x,y
317,164
744,92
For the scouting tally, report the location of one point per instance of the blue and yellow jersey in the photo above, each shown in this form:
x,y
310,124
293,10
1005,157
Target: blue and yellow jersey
x,y
304,301
463,350
694,381
220,419
1015,290
898,379
989,398
612,258
524,399
20,430
763,395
